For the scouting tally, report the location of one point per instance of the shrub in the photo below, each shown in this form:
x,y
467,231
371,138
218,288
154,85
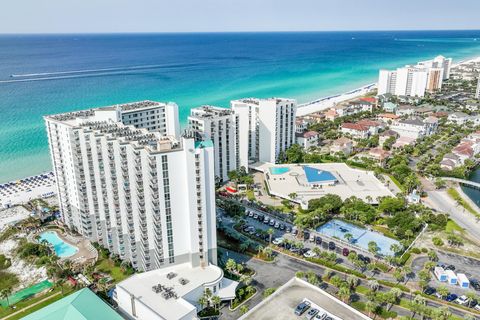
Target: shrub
x,y
268,292
424,250
437,241
415,250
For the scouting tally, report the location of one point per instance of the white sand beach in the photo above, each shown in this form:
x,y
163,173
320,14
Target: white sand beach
x,y
23,190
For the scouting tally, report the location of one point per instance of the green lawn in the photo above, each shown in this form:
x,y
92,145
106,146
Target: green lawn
x,y
108,266
453,226
250,195
458,198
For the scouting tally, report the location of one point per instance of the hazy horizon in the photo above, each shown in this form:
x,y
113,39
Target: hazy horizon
x,y
188,16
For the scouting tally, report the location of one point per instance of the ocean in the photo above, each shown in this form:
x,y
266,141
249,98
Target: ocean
x,y
58,73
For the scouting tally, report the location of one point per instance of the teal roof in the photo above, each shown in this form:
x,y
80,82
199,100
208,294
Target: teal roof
x,y
203,144
81,305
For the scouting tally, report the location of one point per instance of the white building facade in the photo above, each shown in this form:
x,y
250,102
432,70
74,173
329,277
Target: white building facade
x,y
219,125
144,195
414,81
477,92
266,128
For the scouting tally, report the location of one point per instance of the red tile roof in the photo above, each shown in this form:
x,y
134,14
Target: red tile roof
x,y
354,126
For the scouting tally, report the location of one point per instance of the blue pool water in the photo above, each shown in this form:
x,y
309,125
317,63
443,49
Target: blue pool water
x,y
316,175
62,249
279,170
361,236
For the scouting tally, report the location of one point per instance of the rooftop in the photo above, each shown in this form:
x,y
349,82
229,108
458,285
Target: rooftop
x,y
166,290
257,101
81,305
208,112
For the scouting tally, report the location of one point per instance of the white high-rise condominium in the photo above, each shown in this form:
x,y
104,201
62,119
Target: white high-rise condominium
x,y
147,196
415,80
267,128
219,125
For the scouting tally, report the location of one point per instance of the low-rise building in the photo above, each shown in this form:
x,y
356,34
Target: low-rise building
x,y
403,142
342,145
379,155
468,148
308,139
171,293
373,126
385,135
355,130
405,110
412,128
390,107
458,118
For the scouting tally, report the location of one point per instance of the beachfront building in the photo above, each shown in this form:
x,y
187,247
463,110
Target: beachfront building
x,y
266,128
308,139
145,196
415,80
219,125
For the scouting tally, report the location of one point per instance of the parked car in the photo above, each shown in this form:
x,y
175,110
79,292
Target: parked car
x,y
475,284
295,231
288,230
272,223
250,214
462,300
451,297
450,267
318,240
429,291
311,313
277,225
331,245
477,307
306,235
345,252
473,303
255,215
278,241
312,237
302,307
282,226
266,220
247,212
261,217
367,259
309,254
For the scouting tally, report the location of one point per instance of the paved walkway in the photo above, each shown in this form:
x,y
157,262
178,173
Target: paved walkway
x,y
31,306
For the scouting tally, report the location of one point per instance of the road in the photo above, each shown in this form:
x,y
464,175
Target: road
x,y
441,201
273,275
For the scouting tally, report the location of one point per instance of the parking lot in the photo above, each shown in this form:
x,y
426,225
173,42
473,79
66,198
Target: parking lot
x,y
257,220
282,305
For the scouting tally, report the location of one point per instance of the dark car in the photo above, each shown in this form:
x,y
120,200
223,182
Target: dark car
x,y
306,235
360,257
261,217
282,226
429,291
367,260
288,230
475,284
450,267
451,297
331,245
345,252
318,240
302,307
473,303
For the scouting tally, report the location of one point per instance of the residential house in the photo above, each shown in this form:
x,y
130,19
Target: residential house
x,y
387,117
387,134
355,130
413,128
431,125
308,139
373,126
301,125
468,148
379,155
343,145
405,110
403,142
331,115
390,107
458,117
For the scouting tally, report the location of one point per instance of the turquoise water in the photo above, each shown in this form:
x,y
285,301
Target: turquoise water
x,y
71,72
361,236
279,170
62,249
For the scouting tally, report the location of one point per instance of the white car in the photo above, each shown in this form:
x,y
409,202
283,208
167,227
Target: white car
x,y
477,307
278,241
312,237
309,254
462,300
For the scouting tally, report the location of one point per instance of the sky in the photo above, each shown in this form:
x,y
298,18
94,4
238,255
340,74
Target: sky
x,y
107,16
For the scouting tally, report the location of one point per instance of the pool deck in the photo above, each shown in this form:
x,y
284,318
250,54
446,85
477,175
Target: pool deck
x,y
351,182
85,252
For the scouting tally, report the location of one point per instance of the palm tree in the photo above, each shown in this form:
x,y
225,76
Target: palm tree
x,y
202,301
246,279
5,294
60,283
270,232
249,290
370,307
442,291
352,281
344,293
243,309
395,248
471,296
231,265
216,302
409,234
374,285
348,236
373,248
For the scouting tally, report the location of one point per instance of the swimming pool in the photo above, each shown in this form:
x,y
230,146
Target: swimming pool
x,y
279,170
62,249
360,236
